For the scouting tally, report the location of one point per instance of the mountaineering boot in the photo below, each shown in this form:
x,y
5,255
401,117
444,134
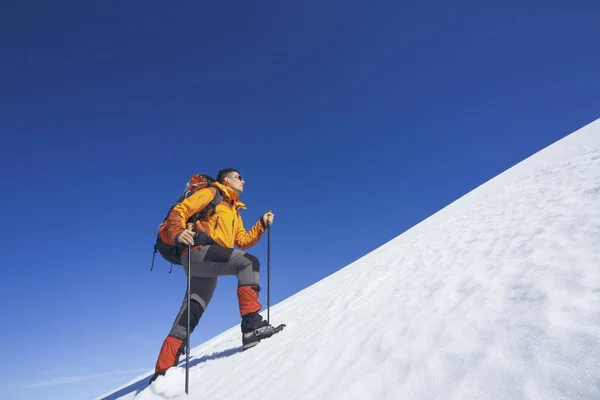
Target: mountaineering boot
x,y
255,329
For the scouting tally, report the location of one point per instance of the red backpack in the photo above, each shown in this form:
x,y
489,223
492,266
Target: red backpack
x,y
171,251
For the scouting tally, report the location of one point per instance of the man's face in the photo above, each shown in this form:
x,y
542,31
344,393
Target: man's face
x,y
235,181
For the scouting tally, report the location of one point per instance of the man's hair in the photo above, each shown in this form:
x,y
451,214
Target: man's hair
x,y
224,172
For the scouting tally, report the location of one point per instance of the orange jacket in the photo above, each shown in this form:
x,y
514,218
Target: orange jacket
x,y
225,226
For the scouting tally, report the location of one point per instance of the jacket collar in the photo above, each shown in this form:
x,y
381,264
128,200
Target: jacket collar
x,y
230,195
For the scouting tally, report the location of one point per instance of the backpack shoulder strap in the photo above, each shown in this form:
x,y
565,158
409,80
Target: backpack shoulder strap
x,y
217,199
210,208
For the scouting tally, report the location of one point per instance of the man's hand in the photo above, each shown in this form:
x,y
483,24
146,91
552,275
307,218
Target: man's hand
x,y
186,237
268,218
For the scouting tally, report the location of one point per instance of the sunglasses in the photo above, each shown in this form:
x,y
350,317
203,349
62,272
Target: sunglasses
x,y
239,177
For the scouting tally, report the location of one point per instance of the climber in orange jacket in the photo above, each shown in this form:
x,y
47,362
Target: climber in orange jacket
x,y
212,241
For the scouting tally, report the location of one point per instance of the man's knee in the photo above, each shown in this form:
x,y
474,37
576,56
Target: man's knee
x,y
254,261
195,298
197,307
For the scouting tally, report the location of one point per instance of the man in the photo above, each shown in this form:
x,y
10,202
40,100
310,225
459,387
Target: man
x,y
213,239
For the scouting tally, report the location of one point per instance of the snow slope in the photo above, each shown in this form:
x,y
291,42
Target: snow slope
x,y
496,296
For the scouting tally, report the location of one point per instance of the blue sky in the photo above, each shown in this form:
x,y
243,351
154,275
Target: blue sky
x,y
352,121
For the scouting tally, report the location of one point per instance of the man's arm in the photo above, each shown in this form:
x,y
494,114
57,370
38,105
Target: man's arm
x,y
245,240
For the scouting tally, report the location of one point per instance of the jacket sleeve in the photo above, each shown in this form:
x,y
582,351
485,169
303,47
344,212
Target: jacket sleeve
x,y
246,239
184,210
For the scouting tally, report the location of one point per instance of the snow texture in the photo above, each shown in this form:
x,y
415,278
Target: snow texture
x,y
496,296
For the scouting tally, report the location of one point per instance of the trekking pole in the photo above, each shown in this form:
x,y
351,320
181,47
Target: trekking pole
x,y
268,274
187,344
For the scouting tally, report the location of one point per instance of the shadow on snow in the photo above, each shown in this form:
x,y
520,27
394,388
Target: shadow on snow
x,y
143,383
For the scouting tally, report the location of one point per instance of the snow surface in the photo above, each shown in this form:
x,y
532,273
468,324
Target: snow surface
x,y
496,296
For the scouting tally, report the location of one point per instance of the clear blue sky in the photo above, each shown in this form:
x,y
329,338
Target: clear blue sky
x,y
351,120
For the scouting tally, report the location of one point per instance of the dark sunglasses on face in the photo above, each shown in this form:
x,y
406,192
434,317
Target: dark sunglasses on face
x,y
239,177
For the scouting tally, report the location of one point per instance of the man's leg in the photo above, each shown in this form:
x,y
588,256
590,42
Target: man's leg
x,y
216,260
224,261
202,290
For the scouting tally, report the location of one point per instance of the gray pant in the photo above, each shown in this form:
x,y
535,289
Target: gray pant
x,y
208,263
